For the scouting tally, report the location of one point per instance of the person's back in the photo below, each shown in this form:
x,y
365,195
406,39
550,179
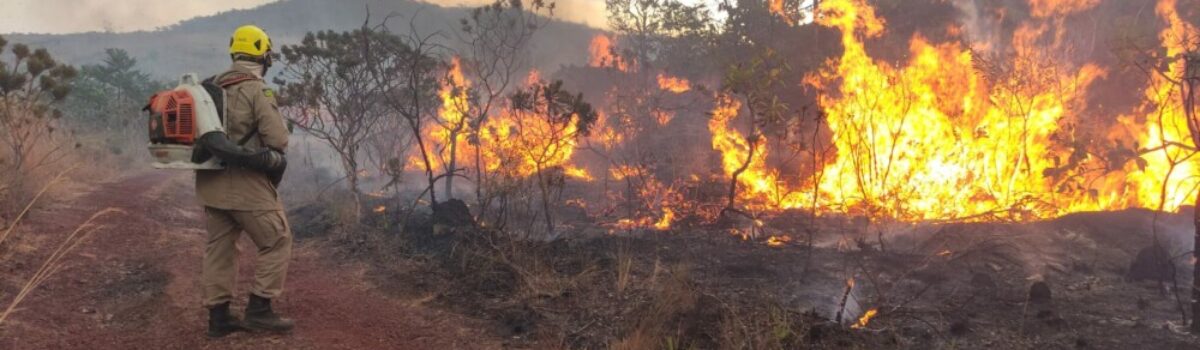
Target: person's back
x,y
250,111
238,199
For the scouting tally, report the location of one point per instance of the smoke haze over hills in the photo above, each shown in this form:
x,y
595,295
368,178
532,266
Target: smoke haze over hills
x,y
199,44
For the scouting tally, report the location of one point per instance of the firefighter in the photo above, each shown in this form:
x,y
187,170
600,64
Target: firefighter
x,y
242,199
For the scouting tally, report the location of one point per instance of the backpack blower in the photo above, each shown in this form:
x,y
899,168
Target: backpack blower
x,y
186,132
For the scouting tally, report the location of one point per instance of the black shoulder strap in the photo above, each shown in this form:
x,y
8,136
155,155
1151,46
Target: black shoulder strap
x,y
218,96
246,138
217,92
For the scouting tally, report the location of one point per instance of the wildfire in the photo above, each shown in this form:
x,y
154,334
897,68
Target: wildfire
x,y
1047,8
932,139
778,241
603,54
1166,123
663,117
664,223
946,134
739,153
451,121
776,7
673,84
577,173
661,224
866,318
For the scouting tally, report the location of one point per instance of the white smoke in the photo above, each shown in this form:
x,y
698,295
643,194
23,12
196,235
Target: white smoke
x,y
981,29
588,12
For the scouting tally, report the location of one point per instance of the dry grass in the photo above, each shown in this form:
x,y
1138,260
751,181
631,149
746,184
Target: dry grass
x,y
54,262
658,325
624,259
33,201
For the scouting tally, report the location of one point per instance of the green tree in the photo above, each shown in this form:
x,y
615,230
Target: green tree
x,y
106,98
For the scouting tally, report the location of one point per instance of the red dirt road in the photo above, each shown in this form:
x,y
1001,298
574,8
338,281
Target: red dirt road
x,y
135,285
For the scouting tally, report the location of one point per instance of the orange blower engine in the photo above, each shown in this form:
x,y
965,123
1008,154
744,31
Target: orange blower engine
x,y
177,119
186,133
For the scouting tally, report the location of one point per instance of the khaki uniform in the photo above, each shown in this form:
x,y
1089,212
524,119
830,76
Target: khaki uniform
x,y
238,199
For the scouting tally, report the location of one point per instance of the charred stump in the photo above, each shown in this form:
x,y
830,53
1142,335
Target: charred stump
x,y
1152,264
453,213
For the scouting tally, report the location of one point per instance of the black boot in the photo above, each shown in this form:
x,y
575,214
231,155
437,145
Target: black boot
x,y
221,323
260,317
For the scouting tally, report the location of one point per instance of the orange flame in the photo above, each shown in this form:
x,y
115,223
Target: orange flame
x,y
1047,8
866,318
664,223
603,54
932,139
673,84
1166,123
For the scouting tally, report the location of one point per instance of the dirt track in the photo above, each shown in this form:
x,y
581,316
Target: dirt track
x,y
134,285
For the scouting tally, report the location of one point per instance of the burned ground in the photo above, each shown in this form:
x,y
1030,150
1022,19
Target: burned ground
x,y
933,286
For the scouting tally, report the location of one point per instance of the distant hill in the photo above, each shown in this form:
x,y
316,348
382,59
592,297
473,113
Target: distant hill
x,y
199,44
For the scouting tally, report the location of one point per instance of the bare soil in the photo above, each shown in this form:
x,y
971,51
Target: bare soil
x,y
135,285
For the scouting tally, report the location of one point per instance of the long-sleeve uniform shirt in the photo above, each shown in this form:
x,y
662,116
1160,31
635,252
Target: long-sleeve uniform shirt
x,y
249,105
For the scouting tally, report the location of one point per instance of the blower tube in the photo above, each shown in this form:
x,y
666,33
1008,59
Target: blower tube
x,y
217,144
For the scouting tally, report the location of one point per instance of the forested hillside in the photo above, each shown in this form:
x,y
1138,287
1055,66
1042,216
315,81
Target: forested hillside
x,y
198,45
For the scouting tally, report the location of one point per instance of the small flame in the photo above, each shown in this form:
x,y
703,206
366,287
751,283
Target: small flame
x,y
866,318
778,241
673,84
602,54
577,173
663,117
664,223
578,202
380,209
776,7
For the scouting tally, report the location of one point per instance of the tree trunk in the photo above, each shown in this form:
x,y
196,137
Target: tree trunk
x,y
545,202
425,157
352,177
1196,266
451,165
733,181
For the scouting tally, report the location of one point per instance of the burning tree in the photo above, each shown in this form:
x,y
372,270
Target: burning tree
x,y
496,38
410,89
752,84
548,119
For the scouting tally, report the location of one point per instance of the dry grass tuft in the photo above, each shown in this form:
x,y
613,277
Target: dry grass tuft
x,y
54,262
33,201
658,325
624,260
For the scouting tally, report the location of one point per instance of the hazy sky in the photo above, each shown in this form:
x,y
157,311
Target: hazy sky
x,y
69,16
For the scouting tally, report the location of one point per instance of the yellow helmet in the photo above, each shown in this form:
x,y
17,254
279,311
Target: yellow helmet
x,y
249,40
